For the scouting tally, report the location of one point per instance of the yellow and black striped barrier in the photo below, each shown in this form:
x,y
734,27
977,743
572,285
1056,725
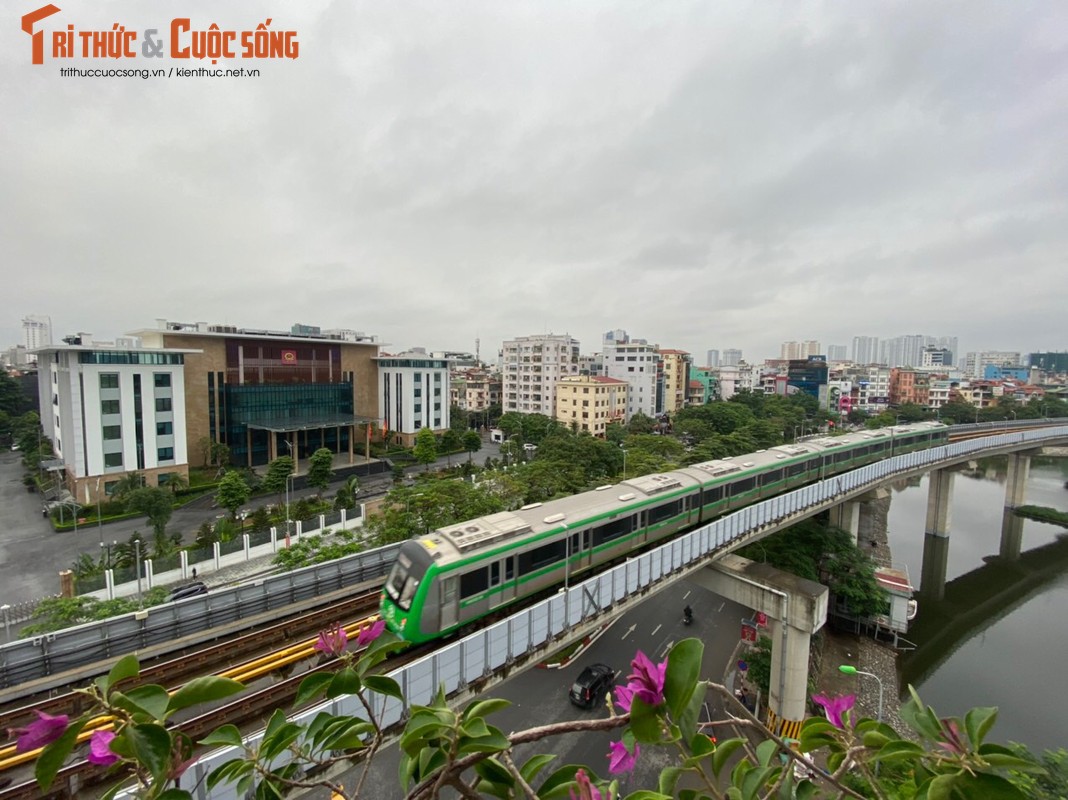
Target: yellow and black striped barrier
x,y
782,727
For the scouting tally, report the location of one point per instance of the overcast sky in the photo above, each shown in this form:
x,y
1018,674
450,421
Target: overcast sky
x,y
703,175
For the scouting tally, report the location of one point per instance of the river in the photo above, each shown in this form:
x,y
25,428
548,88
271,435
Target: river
x,y
1014,661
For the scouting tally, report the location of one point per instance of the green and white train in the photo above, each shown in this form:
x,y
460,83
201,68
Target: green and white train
x,y
454,576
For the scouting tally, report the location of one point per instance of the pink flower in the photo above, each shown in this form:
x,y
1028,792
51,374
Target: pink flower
x,y
40,733
370,633
100,749
333,641
835,707
620,759
586,790
624,697
647,679
953,742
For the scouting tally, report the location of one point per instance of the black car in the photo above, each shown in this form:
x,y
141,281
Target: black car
x,y
592,685
189,590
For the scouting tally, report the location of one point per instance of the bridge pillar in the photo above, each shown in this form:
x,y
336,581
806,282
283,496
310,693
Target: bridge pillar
x,y
796,608
1011,535
938,496
933,570
1016,485
847,517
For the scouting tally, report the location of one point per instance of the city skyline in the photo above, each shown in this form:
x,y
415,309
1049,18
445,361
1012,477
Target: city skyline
x,y
704,176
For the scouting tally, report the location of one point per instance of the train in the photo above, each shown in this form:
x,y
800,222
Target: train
x,y
448,579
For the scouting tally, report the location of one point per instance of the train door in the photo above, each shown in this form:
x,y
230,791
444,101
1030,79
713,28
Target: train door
x,y
502,581
449,600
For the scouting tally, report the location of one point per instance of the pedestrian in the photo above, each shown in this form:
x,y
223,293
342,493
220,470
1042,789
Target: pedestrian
x,y
194,573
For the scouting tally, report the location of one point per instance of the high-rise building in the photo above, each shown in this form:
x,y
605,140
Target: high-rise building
x,y
712,358
675,368
634,361
936,357
36,332
532,366
792,351
975,364
865,349
1049,362
836,352
731,358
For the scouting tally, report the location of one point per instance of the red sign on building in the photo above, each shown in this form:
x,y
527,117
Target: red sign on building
x,y
761,619
749,633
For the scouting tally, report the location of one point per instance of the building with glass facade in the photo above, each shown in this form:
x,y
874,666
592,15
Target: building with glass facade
x,y
265,394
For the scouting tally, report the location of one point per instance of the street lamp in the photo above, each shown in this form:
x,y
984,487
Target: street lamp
x,y
851,670
289,478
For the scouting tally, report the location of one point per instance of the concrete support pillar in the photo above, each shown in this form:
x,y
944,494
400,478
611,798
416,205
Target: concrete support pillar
x,y
788,695
939,494
847,517
933,571
1016,485
1011,534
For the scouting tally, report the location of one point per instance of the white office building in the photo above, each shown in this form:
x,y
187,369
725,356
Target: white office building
x,y
530,368
110,412
413,393
633,361
36,333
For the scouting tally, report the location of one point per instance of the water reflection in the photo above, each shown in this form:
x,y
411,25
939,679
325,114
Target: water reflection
x,y
992,635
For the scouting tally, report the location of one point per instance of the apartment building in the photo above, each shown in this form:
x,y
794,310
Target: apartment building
x,y
531,367
413,393
675,368
112,411
591,403
636,362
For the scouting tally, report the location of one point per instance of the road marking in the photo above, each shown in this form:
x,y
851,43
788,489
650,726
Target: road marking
x,y
658,627
667,649
718,610
630,630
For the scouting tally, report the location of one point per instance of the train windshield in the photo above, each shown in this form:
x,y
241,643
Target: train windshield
x,y
402,585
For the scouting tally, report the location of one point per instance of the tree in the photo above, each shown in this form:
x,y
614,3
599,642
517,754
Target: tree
x,y
320,469
426,447
214,454
233,492
278,472
13,400
156,504
176,482
346,495
472,443
451,441
511,424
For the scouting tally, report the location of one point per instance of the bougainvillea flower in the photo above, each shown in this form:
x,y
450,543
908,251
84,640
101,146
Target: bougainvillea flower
x,y
647,679
333,641
953,743
586,790
835,707
100,749
370,633
620,759
40,733
624,697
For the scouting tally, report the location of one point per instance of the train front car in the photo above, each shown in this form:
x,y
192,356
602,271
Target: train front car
x,y
407,583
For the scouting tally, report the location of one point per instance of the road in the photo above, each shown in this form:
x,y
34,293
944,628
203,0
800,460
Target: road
x,y
539,696
32,554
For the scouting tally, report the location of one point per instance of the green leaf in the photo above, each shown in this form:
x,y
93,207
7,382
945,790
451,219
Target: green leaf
x,y
206,689
724,750
54,754
126,667
692,711
493,742
816,733
561,780
644,722
175,794
986,786
151,745
646,794
920,718
534,765
978,723
278,739
670,776
941,788
344,682
492,770
150,700
484,708
683,670
701,745
1001,761
899,750
418,733
383,685
766,751
475,728
756,779
311,686
225,735
875,739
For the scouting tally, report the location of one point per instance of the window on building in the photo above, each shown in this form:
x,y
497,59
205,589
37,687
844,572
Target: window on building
x,y
418,408
112,459
164,428
109,432
418,377
162,380
165,453
109,406
109,380
163,404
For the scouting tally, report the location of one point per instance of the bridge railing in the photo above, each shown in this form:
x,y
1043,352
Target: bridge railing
x,y
458,665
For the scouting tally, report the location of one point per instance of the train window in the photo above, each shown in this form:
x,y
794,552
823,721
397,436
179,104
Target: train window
x,y
543,556
771,477
509,568
495,574
744,485
663,512
842,457
407,593
798,468
613,530
473,582
713,495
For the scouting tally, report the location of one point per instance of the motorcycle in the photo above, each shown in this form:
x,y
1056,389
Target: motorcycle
x,y
687,616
